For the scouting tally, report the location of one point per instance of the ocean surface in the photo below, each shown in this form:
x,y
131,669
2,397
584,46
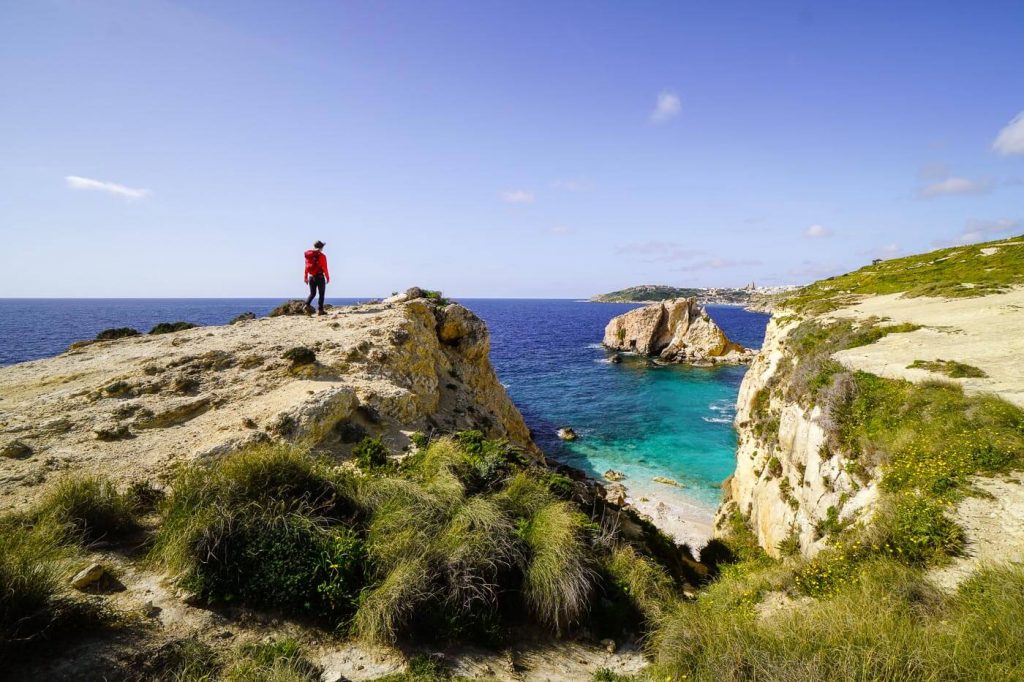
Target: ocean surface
x,y
644,421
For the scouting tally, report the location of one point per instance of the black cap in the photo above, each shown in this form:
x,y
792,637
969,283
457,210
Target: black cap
x,y
318,244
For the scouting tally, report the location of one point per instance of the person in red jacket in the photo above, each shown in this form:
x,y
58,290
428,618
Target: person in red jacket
x,y
316,274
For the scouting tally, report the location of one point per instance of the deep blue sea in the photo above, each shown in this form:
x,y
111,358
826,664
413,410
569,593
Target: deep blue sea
x,y
644,421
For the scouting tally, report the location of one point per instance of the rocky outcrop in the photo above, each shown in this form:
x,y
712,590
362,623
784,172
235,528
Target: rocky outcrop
x,y
787,484
376,370
677,330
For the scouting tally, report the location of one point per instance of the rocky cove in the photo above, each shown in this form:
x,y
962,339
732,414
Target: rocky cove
x,y
384,431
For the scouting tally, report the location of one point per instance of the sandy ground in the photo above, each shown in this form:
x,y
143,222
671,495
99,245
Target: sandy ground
x,y
994,524
684,521
985,332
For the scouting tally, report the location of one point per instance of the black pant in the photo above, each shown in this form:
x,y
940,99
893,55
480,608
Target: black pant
x,y
317,283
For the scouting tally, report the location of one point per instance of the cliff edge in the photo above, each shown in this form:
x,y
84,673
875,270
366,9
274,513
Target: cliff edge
x,y
885,409
133,407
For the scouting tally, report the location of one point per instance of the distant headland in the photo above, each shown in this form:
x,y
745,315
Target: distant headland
x,y
750,295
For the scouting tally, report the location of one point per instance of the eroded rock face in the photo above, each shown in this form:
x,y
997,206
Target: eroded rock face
x,y
786,481
677,330
378,370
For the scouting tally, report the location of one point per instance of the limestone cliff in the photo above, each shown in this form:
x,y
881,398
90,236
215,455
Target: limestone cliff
x,y
786,480
677,330
133,407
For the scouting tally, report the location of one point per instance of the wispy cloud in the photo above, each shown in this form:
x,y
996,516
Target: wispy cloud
x,y
688,258
570,185
660,252
517,196
1010,139
983,230
560,229
817,231
812,270
933,171
77,182
884,251
715,263
956,186
667,107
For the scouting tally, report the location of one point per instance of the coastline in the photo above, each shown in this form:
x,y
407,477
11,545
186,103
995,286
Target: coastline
x,y
684,520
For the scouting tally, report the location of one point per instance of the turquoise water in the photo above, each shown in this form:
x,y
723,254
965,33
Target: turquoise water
x,y
672,421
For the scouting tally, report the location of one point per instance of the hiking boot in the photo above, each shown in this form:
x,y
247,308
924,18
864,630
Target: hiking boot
x,y
320,312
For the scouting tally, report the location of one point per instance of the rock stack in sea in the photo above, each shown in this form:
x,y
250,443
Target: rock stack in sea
x,y
674,331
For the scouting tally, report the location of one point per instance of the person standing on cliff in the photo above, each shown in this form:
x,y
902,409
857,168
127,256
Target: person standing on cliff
x,y
316,275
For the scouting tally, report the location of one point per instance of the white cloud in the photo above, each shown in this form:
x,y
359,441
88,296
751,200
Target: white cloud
x,y
560,229
76,182
1010,139
956,186
660,252
886,251
716,263
983,230
815,231
517,196
668,106
570,185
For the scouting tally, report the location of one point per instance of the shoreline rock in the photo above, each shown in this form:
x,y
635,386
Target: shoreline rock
x,y
674,331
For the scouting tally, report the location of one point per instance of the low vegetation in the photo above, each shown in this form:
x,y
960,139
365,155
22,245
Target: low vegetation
x,y
959,271
460,541
116,333
886,622
169,327
190,660
40,547
951,368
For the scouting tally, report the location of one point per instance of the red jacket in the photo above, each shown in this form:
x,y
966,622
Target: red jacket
x,y
316,263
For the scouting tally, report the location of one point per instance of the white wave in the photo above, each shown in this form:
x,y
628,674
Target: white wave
x,y
717,420
595,346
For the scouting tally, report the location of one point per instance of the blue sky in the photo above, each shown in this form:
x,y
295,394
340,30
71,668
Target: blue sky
x,y
534,149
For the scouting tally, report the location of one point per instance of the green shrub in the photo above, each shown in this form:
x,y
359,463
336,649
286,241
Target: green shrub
x,y
300,355
169,327
116,333
951,368
31,576
606,675
884,622
420,440
370,453
278,661
37,613
558,579
89,508
267,526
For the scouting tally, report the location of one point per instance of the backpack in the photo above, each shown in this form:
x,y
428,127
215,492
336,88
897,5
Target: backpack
x,y
313,262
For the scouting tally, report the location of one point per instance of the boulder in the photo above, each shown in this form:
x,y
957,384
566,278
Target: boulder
x,y
292,308
615,494
88,576
613,475
674,331
667,481
456,322
244,317
567,433
615,359
15,449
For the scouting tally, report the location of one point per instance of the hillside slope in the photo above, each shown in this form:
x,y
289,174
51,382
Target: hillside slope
x,y
851,405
